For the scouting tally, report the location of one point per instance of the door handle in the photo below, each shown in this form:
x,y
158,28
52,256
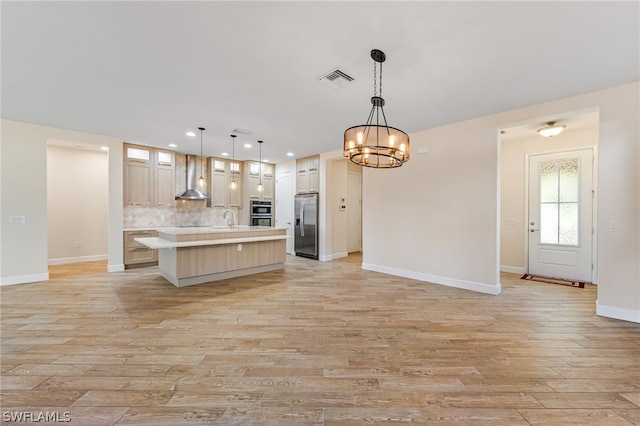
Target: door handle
x,y
302,218
533,230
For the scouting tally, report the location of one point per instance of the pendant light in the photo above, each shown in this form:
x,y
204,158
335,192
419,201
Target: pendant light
x,y
260,187
201,181
376,144
233,185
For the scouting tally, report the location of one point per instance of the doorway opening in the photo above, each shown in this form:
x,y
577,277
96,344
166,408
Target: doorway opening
x,y
77,207
540,176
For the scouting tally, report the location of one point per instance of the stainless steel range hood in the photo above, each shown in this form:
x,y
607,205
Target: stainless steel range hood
x,y
191,176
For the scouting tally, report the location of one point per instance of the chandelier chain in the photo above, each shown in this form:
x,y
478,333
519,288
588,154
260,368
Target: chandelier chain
x,y
380,79
375,80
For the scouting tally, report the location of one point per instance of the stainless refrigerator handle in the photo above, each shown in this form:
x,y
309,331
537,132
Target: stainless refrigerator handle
x,y
302,218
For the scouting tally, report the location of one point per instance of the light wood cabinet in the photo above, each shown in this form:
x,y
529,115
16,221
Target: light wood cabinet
x,y
268,182
222,172
137,254
253,175
165,176
149,176
308,175
138,176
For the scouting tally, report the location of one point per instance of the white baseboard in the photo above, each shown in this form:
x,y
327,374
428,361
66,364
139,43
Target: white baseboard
x,y
617,313
79,259
512,269
493,289
330,257
23,279
115,268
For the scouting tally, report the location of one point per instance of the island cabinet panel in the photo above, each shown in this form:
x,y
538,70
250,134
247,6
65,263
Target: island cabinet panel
x,y
190,256
195,261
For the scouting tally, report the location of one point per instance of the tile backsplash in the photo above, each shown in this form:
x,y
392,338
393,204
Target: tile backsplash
x,y
185,213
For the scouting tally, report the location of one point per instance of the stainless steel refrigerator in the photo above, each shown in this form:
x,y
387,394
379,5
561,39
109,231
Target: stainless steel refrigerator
x,y
306,225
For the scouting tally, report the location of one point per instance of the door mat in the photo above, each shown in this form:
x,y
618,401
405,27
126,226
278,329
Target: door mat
x,y
559,281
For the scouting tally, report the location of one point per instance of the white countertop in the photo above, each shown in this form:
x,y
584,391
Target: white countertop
x,y
195,230
160,243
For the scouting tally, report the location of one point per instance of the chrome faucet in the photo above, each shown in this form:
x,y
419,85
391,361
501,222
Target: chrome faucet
x,y
229,219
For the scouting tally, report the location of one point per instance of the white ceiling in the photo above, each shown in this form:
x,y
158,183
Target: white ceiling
x,y
147,72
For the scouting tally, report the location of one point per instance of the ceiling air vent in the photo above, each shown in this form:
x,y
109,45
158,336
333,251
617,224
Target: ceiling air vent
x,y
239,131
335,79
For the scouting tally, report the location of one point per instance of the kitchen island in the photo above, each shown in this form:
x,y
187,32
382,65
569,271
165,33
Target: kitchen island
x,y
196,255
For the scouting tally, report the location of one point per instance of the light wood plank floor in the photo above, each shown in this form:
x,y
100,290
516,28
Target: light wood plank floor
x,y
317,343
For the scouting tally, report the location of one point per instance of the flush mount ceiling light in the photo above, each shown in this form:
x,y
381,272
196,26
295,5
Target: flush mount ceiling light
x,y
551,129
190,133
376,145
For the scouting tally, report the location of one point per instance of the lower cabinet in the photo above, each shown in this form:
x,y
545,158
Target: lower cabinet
x,y
136,254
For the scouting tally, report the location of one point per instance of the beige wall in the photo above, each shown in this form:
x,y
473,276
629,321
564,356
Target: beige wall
x,y
436,218
336,191
24,246
77,204
513,181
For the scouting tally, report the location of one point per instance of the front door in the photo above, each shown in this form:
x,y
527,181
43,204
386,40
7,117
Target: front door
x,y
561,215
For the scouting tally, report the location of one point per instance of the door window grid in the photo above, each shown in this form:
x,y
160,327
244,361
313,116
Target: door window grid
x,y
559,202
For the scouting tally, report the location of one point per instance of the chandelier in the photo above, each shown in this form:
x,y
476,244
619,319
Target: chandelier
x,y
376,144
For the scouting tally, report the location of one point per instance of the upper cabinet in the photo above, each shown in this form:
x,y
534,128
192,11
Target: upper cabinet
x,y
165,177
253,175
149,176
308,175
223,172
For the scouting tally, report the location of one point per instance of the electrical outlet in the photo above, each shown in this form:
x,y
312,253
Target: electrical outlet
x,y
239,247
79,244
17,219
614,226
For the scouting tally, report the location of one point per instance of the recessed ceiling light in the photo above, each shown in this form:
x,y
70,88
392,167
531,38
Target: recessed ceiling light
x,y
173,145
289,154
192,134
247,145
225,154
104,148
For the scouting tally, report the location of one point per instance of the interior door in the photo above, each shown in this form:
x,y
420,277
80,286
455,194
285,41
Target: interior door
x,y
561,215
354,212
284,206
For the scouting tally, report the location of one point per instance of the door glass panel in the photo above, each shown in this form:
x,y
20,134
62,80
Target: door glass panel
x,y
568,226
548,182
549,223
568,176
559,202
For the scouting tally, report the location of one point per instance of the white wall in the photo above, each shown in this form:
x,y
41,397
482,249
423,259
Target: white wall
x,y
77,204
436,218
24,246
513,179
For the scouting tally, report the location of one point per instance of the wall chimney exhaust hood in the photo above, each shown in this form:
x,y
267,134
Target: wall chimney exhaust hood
x,y
191,176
